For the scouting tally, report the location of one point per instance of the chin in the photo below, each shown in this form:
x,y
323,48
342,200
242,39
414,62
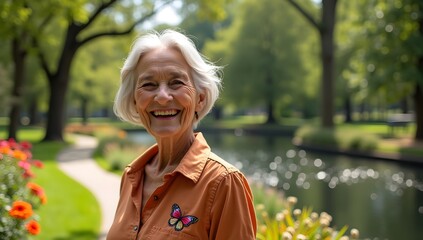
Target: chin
x,y
168,132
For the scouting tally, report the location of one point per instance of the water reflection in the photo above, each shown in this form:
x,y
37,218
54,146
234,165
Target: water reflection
x,y
382,199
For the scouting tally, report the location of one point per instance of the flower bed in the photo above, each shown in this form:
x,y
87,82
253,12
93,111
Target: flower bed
x,y
19,196
278,219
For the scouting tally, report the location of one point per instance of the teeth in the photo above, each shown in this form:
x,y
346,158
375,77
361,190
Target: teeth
x,y
165,113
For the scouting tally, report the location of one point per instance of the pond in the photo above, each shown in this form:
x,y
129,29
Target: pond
x,y
383,199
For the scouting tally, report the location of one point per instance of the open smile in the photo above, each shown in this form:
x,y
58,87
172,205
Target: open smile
x,y
165,113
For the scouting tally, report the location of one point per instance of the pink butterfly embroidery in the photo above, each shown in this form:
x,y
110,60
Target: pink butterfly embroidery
x,y
178,221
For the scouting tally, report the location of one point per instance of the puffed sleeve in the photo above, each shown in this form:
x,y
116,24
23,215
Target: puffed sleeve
x,y
232,212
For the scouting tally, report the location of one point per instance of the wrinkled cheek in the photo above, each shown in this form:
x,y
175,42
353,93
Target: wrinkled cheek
x,y
189,105
145,118
141,106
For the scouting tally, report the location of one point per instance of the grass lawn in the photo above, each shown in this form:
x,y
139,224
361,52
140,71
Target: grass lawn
x,y
71,211
365,136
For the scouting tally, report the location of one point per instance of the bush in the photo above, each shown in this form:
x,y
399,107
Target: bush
x,y
345,139
118,152
19,197
289,223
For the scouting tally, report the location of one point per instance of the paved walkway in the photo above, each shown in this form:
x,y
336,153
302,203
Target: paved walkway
x,y
76,162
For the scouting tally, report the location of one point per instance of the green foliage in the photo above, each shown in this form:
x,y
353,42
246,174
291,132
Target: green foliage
x,y
265,50
209,9
118,152
96,73
278,219
12,14
341,139
388,44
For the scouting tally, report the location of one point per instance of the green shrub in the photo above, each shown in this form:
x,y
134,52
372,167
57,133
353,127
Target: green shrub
x,y
19,197
118,152
346,139
288,222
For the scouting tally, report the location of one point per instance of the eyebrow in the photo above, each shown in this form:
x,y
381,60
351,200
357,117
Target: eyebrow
x,y
174,73
145,77
178,73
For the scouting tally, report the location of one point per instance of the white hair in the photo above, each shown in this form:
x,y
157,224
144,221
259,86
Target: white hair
x,y
205,74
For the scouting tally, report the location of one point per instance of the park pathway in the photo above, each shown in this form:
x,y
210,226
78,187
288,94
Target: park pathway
x,y
76,161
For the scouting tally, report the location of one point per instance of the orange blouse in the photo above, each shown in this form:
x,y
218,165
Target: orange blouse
x,y
203,198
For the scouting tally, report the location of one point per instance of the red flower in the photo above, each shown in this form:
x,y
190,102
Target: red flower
x,y
24,164
21,210
38,163
38,191
33,227
26,145
35,189
28,174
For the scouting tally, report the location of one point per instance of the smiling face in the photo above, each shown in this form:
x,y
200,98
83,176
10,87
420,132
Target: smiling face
x,y
165,95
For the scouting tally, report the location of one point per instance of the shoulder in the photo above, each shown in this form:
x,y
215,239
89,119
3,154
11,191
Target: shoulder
x,y
220,165
222,173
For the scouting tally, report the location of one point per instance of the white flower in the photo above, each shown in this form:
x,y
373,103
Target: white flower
x,y
355,234
292,200
286,236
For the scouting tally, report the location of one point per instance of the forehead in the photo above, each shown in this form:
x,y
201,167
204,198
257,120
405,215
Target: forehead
x,y
161,60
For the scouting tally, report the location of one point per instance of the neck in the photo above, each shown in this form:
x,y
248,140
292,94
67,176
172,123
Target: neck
x,y
172,150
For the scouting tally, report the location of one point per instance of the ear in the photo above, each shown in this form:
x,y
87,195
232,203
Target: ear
x,y
201,102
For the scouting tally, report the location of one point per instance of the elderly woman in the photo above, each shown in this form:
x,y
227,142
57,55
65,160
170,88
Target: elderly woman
x,y
177,189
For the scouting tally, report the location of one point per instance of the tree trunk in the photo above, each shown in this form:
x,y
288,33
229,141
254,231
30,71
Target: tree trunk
x,y
269,98
418,103
418,94
327,53
347,108
404,105
270,116
33,112
84,110
19,57
362,110
56,114
58,88
105,112
217,112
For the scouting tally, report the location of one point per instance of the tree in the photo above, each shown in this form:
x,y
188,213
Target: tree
x,y
15,13
418,94
265,68
394,31
78,17
94,74
325,28
350,48
75,38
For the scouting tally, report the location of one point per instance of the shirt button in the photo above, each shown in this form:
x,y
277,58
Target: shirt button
x,y
156,197
135,228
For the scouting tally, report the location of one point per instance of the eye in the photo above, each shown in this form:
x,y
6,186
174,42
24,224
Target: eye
x,y
175,83
147,85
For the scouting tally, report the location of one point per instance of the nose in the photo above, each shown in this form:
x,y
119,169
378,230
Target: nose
x,y
163,95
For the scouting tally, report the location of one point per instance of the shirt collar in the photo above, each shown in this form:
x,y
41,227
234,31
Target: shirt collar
x,y
191,165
